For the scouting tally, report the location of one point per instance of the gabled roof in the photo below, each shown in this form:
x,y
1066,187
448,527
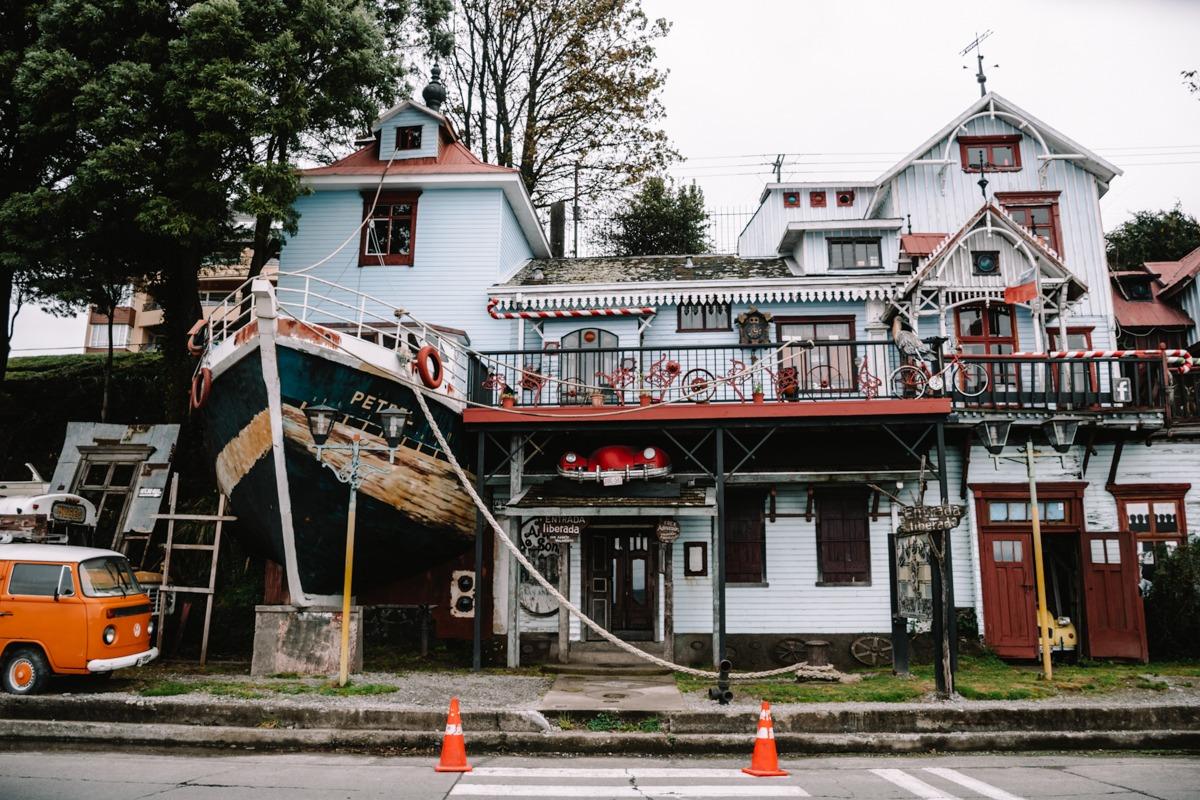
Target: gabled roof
x,y
452,159
1044,252
440,118
1174,275
1058,142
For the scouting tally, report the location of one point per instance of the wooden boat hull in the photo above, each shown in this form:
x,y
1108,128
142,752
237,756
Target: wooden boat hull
x,y
412,514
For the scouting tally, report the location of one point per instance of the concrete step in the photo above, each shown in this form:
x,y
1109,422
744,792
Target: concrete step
x,y
600,668
603,658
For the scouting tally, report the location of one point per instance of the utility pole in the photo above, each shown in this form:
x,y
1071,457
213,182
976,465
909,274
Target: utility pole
x,y
979,76
778,167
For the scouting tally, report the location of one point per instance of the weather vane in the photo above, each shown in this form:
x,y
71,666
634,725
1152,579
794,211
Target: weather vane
x,y
975,45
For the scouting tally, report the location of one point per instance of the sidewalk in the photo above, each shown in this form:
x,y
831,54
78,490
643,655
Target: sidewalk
x,y
510,713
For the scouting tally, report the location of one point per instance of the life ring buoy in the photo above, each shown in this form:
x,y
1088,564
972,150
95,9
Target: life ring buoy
x,y
201,388
429,366
194,347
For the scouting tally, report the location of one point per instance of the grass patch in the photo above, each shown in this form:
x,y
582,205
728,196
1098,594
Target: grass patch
x,y
356,689
608,723
874,687
166,689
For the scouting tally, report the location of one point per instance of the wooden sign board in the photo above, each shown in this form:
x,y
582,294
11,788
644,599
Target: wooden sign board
x,y
914,577
563,530
667,530
926,519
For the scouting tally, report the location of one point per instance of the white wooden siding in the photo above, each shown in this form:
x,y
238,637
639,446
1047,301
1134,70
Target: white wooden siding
x,y
762,234
406,118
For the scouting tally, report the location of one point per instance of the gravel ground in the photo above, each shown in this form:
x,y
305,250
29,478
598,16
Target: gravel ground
x,y
413,690
1174,694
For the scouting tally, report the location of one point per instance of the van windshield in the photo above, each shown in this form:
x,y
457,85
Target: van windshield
x,y
107,576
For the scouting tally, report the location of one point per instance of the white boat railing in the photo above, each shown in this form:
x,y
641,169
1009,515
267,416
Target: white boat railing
x,y
344,311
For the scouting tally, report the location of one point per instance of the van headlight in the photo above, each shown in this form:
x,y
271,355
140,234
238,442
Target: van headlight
x,y
110,634
150,629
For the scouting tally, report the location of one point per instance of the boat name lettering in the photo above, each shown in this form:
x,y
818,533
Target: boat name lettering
x,y
370,402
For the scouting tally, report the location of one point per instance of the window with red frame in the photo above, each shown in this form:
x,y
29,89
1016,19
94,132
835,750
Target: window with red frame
x,y
1037,212
816,199
1083,376
993,153
408,137
843,536
1155,515
388,237
791,199
989,329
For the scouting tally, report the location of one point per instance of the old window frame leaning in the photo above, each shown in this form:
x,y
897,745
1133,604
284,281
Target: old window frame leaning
x,y
375,212
408,137
987,143
704,317
825,567
854,241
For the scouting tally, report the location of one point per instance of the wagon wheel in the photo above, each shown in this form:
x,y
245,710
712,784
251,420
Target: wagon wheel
x,y
790,651
699,385
874,651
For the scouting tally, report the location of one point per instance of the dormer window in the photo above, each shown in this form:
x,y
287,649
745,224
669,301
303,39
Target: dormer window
x,y
1140,291
408,137
990,153
855,254
387,238
845,198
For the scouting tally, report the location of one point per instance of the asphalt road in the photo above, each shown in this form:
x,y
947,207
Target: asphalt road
x,y
92,775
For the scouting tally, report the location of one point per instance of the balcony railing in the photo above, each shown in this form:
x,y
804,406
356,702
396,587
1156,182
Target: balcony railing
x,y
801,372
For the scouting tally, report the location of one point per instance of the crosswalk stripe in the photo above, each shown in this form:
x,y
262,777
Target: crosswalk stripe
x,y
915,785
620,792
607,772
974,784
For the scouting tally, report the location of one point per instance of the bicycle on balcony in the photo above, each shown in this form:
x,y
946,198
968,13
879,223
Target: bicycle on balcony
x,y
913,381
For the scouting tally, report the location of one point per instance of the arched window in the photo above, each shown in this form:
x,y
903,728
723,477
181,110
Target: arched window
x,y
579,368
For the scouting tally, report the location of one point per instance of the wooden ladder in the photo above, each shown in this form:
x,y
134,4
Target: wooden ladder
x,y
214,549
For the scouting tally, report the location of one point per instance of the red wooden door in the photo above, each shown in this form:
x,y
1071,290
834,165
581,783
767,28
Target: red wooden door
x,y
1116,626
1006,566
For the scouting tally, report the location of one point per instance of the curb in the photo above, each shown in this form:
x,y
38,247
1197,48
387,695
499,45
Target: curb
x,y
571,742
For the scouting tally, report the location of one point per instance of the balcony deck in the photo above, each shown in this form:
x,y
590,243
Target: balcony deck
x,y
800,382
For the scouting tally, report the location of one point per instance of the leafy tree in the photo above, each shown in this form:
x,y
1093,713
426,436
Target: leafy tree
x,y
1173,605
320,69
660,220
548,86
1153,236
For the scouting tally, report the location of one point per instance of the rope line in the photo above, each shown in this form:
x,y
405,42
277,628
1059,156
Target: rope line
x,y
802,668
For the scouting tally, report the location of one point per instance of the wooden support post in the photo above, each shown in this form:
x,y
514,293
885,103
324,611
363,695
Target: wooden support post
x,y
564,616
669,601
516,468
480,529
719,574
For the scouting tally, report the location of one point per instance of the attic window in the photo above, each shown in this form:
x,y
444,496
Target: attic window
x,y
791,199
845,198
1139,290
816,199
993,153
408,137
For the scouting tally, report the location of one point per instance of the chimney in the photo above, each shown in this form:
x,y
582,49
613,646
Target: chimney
x,y
558,228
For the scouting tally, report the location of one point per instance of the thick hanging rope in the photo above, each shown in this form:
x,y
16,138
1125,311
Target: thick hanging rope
x,y
801,669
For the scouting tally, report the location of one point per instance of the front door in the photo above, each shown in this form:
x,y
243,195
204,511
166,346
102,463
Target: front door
x,y
622,585
1115,619
1006,566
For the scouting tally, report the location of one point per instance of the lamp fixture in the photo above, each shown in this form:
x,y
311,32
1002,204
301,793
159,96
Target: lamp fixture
x,y
393,419
993,434
1060,432
320,422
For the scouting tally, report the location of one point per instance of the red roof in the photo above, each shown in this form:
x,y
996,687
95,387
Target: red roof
x,y
921,244
452,159
1173,273
1152,313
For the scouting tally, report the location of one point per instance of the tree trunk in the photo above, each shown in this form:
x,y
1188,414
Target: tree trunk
x,y
6,290
181,307
262,245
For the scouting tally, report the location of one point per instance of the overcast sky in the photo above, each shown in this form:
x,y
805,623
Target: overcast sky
x,y
846,88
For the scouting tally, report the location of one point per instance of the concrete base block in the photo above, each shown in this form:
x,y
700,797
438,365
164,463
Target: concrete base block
x,y
306,641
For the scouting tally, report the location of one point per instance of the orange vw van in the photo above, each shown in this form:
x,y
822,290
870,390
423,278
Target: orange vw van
x,y
69,611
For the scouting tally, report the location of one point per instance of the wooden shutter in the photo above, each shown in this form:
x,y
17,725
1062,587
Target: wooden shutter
x,y
843,536
746,537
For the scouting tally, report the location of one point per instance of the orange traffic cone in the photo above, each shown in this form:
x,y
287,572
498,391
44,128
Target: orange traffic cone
x,y
765,761
454,747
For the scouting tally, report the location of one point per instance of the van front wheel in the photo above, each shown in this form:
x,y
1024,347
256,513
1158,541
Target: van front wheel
x,y
25,672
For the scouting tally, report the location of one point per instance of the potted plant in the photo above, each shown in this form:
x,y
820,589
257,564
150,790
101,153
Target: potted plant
x,y
508,398
597,398
644,396
757,394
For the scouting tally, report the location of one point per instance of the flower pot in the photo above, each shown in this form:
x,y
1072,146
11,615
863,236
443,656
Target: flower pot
x,y
758,398
598,400
508,401
644,400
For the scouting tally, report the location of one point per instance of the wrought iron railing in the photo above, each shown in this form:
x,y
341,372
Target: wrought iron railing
x,y
815,372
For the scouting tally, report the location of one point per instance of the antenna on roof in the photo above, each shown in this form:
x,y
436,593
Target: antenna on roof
x,y
778,167
975,45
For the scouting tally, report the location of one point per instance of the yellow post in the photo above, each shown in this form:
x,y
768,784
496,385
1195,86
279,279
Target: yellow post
x,y
344,664
1043,618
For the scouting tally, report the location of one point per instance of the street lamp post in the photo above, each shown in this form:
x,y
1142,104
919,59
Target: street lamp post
x,y
320,424
1060,432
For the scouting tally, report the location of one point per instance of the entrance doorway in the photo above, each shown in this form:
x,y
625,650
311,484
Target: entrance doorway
x,y
622,580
